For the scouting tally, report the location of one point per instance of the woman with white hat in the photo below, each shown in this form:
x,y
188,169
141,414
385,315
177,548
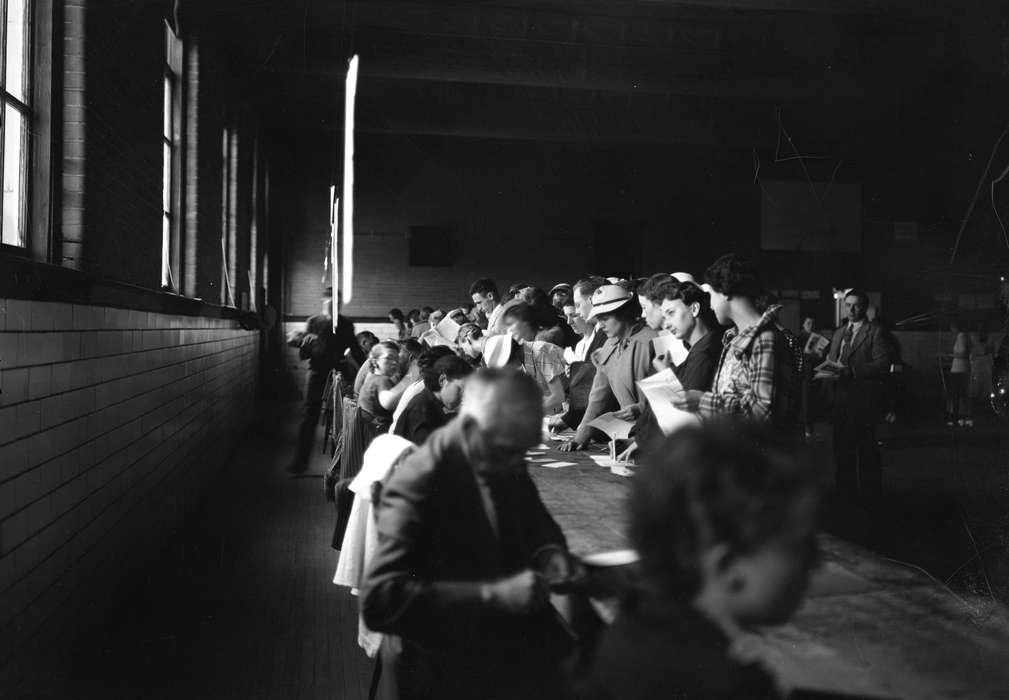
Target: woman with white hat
x,y
621,362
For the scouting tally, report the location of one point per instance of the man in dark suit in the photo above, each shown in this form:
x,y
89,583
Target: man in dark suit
x,y
466,549
581,372
863,355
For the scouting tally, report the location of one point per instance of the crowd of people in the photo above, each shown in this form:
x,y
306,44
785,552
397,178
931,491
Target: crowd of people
x,y
461,556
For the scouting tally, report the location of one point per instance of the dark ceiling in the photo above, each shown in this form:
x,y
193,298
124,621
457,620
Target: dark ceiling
x,y
640,71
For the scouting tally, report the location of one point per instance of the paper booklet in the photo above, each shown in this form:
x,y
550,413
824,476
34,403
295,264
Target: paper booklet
x,y
816,344
448,329
614,427
661,390
828,369
433,337
667,342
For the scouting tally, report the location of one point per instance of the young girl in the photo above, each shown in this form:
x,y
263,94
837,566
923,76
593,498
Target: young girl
x,y
723,518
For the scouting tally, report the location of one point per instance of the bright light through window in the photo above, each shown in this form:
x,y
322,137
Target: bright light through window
x,y
15,119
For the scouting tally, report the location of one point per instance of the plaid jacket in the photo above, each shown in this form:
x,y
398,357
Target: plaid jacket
x,y
756,376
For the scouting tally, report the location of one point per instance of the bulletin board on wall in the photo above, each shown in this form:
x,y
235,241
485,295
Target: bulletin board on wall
x,y
799,215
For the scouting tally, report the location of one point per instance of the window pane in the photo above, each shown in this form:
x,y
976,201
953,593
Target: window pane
x,y
14,178
166,178
166,130
166,248
17,48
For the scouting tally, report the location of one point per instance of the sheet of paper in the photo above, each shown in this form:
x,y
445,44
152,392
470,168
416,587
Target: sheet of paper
x,y
433,338
669,343
541,460
535,454
661,390
558,465
614,427
608,462
619,470
448,329
816,344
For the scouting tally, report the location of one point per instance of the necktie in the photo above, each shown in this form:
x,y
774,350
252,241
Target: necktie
x,y
846,344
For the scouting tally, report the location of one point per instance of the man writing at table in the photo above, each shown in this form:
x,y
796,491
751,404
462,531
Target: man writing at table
x,y
466,549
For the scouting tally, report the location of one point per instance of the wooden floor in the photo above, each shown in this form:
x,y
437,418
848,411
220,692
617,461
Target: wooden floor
x,y
240,606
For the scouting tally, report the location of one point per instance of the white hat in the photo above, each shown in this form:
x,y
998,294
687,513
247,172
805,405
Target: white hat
x,y
683,277
497,350
608,298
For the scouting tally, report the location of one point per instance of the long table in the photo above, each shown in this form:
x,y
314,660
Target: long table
x,y
869,627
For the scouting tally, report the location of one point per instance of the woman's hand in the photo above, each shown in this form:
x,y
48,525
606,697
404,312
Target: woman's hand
x,y
630,413
573,446
663,362
689,400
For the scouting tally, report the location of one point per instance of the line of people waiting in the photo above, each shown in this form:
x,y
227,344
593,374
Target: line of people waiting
x,y
461,556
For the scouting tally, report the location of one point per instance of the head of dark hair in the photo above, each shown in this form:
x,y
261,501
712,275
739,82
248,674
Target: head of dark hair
x,y
409,349
658,287
859,294
728,483
734,276
452,366
396,314
483,287
367,340
413,316
587,285
523,312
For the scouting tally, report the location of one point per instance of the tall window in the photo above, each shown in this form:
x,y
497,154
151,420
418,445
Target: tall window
x,y
15,119
171,157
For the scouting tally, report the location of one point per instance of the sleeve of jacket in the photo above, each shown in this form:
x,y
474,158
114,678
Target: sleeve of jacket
x,y
641,367
600,396
757,397
879,357
398,594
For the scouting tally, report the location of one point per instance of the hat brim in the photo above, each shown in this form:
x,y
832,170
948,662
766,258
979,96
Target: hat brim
x,y
561,288
606,308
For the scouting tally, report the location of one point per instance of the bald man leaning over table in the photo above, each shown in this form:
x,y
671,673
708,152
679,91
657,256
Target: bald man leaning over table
x,y
466,549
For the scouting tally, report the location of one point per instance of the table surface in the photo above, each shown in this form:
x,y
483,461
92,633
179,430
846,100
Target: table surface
x,y
869,627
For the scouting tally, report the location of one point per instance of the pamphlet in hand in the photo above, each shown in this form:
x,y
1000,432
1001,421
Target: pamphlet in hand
x,y
433,338
448,329
816,345
668,343
828,369
661,389
616,428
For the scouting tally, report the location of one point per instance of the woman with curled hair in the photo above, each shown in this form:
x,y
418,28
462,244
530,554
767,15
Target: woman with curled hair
x,y
724,520
384,386
756,376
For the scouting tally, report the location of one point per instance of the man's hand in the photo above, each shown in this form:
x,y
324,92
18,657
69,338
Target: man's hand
x,y
573,446
628,454
689,401
630,413
524,592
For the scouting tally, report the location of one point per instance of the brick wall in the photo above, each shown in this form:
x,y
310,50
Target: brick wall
x,y
110,422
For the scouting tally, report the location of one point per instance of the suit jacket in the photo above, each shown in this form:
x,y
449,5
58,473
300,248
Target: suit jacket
x,y
582,374
436,547
869,360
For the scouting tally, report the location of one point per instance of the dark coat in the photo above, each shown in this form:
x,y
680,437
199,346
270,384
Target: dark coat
x,y
436,547
422,416
663,649
582,373
696,372
869,361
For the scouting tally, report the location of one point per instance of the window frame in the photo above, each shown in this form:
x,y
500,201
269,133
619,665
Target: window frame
x,y
29,116
172,148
